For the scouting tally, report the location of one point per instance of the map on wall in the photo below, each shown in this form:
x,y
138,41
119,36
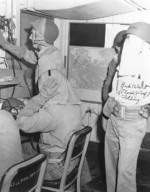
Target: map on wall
x,y
88,66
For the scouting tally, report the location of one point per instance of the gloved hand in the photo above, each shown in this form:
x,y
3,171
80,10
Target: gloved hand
x,y
145,111
49,89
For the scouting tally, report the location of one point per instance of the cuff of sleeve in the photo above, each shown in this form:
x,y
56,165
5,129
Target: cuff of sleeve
x,y
108,107
33,106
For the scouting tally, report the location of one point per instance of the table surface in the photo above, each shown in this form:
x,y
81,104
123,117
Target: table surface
x,y
13,82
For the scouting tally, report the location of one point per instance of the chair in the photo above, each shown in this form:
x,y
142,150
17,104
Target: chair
x,y
26,176
76,149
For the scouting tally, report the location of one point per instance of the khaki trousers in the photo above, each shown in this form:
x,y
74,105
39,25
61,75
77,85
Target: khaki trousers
x,y
122,144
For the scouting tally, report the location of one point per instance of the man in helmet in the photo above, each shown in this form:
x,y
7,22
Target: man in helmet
x,y
127,109
40,113
117,45
107,86
45,54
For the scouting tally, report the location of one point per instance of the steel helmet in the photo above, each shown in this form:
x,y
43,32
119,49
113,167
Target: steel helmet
x,y
45,30
141,30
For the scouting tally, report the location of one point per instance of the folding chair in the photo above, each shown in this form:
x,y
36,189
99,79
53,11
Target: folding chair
x,y
76,150
26,176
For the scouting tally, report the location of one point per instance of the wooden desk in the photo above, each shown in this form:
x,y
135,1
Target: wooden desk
x,y
5,84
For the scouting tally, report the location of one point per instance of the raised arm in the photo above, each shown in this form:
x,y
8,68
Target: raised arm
x,y
19,52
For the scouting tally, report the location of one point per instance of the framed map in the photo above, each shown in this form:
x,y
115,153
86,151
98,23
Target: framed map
x,y
87,66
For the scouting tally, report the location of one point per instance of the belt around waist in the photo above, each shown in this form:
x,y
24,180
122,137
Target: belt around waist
x,y
130,112
129,108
